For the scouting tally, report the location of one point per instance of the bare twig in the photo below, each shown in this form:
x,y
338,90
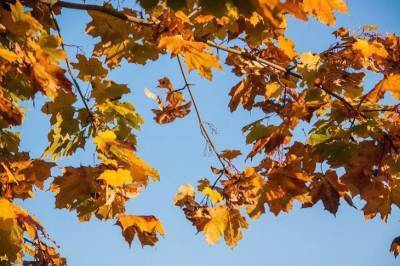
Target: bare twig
x,y
203,129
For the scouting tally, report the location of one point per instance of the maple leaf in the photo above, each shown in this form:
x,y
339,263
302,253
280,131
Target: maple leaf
x,y
390,83
213,194
233,230
215,227
145,228
20,175
76,189
323,10
108,144
287,46
368,49
116,178
175,106
49,77
353,132
224,222
329,189
230,154
89,69
195,54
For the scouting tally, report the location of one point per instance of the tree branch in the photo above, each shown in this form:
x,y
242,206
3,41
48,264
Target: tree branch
x,y
145,22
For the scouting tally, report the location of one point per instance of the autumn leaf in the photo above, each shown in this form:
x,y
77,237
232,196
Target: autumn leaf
x,y
89,69
116,178
323,10
287,46
368,49
145,228
195,54
8,55
390,83
230,154
319,133
215,227
185,194
214,195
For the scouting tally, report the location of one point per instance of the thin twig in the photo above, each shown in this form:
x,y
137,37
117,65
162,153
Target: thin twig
x,y
203,129
69,69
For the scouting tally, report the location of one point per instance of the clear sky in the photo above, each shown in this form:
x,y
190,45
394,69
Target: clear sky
x,y
310,237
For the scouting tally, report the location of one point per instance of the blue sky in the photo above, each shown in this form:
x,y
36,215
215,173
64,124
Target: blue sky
x,y
311,237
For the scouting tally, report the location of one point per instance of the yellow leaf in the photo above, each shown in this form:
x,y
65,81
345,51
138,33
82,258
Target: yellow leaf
x,y
89,69
116,178
255,19
389,83
287,46
214,195
368,49
273,90
103,138
24,23
140,171
49,77
215,227
195,54
310,61
7,214
8,55
323,10
183,17
309,67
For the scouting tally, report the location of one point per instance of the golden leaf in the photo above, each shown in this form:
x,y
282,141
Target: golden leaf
x,y
195,54
116,178
8,55
323,10
214,195
215,227
273,90
7,214
287,46
368,49
389,83
145,228
89,69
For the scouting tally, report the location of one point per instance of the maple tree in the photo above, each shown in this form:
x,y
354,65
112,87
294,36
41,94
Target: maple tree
x,y
351,150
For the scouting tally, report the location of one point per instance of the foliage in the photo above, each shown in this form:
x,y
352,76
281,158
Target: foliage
x,y
351,150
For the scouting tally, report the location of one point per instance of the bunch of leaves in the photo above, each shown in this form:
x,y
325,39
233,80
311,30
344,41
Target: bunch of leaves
x,y
351,149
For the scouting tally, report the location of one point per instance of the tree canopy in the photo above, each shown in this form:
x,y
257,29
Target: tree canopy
x,y
351,149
